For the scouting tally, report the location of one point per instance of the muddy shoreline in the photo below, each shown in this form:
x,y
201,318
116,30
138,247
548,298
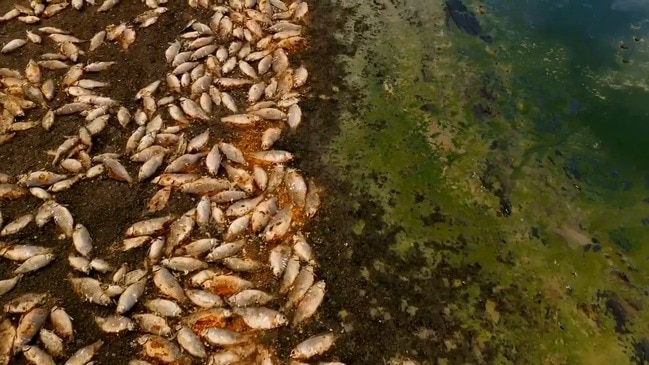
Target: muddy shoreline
x,y
365,301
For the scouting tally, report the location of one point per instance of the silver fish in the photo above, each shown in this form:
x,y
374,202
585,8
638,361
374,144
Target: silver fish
x,y
313,346
190,342
167,284
309,303
29,325
152,324
131,296
85,354
261,318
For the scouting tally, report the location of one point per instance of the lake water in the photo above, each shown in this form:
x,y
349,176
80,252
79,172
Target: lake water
x,y
500,180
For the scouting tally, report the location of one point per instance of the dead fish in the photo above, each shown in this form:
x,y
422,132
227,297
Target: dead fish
x,y
269,113
309,303
152,324
53,64
296,187
260,176
77,4
300,76
131,296
180,230
163,307
29,325
159,348
260,317
278,259
175,180
135,242
7,285
35,355
167,284
213,160
273,156
34,263
100,265
8,335
184,162
263,213
190,342
79,263
60,38
149,227
115,324
229,103
117,171
13,45
232,153
90,289
51,341
204,186
12,192
81,240
313,346
241,178
63,219
222,337
243,207
147,90
85,354
20,252
237,228
199,142
203,299
242,264
249,297
294,116
44,213
172,51
73,108
98,66
70,51
150,167
278,225
193,110
302,283
232,83
48,120
225,250
291,271
184,264
159,200
17,225
240,119
25,302
47,88
226,285
107,5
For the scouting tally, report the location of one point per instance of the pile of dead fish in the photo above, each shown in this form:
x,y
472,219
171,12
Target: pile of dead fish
x,y
212,280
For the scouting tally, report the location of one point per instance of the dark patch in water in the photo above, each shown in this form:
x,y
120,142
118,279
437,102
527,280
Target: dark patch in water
x,y
620,239
465,19
482,112
491,179
575,106
642,351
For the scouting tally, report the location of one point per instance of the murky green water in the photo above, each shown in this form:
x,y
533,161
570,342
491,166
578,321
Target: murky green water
x,y
522,162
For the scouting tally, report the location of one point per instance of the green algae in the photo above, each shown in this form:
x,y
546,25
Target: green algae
x,y
523,188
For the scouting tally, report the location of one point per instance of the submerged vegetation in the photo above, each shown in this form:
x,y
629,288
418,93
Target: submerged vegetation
x,y
514,165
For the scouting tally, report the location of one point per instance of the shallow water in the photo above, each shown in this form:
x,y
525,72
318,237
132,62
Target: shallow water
x,y
508,179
